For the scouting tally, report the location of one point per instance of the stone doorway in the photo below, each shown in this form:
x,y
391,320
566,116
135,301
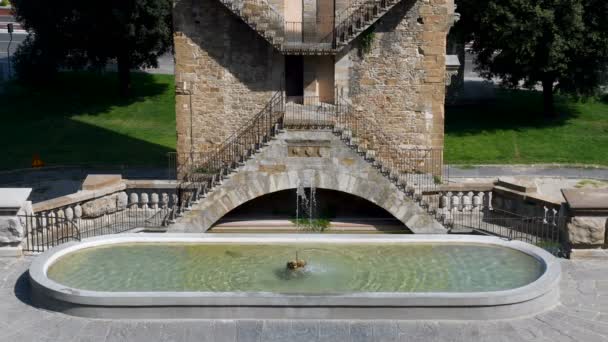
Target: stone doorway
x,y
294,76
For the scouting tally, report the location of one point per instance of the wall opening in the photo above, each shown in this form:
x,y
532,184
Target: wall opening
x,y
277,211
294,76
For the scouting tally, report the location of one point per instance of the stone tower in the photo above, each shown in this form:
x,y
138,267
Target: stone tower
x,y
377,67
231,56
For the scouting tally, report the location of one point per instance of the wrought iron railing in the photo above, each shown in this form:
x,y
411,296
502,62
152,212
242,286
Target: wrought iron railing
x,y
43,232
356,17
260,16
546,232
46,230
199,172
309,112
314,31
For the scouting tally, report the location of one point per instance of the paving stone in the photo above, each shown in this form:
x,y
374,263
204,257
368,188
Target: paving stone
x,y
361,331
172,333
586,287
143,331
95,328
86,338
276,330
60,328
579,312
224,331
418,330
602,286
249,331
568,330
304,331
385,331
334,331
195,331
527,331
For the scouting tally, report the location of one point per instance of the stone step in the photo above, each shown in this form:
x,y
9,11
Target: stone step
x,y
338,226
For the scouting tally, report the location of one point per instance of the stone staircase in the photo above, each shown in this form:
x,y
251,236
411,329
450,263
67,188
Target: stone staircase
x,y
358,17
261,17
201,173
348,24
413,171
418,172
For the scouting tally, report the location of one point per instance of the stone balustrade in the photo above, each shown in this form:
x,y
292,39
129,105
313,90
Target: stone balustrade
x,y
96,201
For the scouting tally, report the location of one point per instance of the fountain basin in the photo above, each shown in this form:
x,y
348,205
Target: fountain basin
x,y
349,277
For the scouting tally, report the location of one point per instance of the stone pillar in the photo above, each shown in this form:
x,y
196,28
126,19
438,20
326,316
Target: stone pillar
x,y
587,225
13,202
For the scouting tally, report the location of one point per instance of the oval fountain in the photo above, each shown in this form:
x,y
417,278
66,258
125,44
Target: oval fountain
x,y
343,277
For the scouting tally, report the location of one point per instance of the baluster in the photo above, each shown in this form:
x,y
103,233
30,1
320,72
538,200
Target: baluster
x,y
69,213
467,201
444,200
144,199
133,200
478,202
455,202
154,201
77,213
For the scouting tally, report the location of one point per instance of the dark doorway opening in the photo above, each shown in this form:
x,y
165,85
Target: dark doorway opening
x,y
294,76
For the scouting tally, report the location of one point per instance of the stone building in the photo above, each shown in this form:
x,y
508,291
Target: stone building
x,y
233,55
383,60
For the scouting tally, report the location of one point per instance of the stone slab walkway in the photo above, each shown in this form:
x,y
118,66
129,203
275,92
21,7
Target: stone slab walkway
x,y
582,316
493,171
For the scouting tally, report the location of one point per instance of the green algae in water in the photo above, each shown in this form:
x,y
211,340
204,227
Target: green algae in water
x,y
331,268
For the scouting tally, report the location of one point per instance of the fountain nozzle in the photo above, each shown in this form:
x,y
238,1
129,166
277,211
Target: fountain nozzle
x,y
296,264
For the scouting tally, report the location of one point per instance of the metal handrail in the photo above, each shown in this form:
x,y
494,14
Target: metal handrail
x,y
45,231
202,174
272,16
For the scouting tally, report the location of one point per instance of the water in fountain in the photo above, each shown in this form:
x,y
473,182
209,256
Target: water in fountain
x,y
307,202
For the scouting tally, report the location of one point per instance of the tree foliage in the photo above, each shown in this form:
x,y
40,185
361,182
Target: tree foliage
x,y
560,44
90,34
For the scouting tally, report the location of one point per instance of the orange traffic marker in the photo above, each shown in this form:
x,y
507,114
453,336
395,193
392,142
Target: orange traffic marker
x,y
36,161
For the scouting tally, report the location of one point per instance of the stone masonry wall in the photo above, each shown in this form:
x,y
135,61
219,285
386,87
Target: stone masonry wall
x,y
400,84
224,73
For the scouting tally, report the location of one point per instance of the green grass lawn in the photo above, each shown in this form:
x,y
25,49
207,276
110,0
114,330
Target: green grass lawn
x,y
82,120
511,130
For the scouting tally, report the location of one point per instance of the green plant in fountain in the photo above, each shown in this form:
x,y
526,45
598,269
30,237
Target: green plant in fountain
x,y
367,40
315,225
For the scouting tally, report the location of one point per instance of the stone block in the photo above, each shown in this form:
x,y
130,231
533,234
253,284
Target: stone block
x,y
95,182
13,199
11,230
105,205
587,231
521,184
587,201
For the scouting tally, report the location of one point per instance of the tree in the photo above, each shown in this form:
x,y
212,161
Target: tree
x,y
559,44
78,34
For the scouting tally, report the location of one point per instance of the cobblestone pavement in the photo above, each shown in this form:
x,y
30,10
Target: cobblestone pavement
x,y
582,316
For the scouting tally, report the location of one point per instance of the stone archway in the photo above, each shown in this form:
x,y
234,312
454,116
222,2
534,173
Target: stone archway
x,y
327,161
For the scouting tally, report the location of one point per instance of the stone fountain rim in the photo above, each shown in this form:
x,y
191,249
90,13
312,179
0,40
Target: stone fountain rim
x,y
539,295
